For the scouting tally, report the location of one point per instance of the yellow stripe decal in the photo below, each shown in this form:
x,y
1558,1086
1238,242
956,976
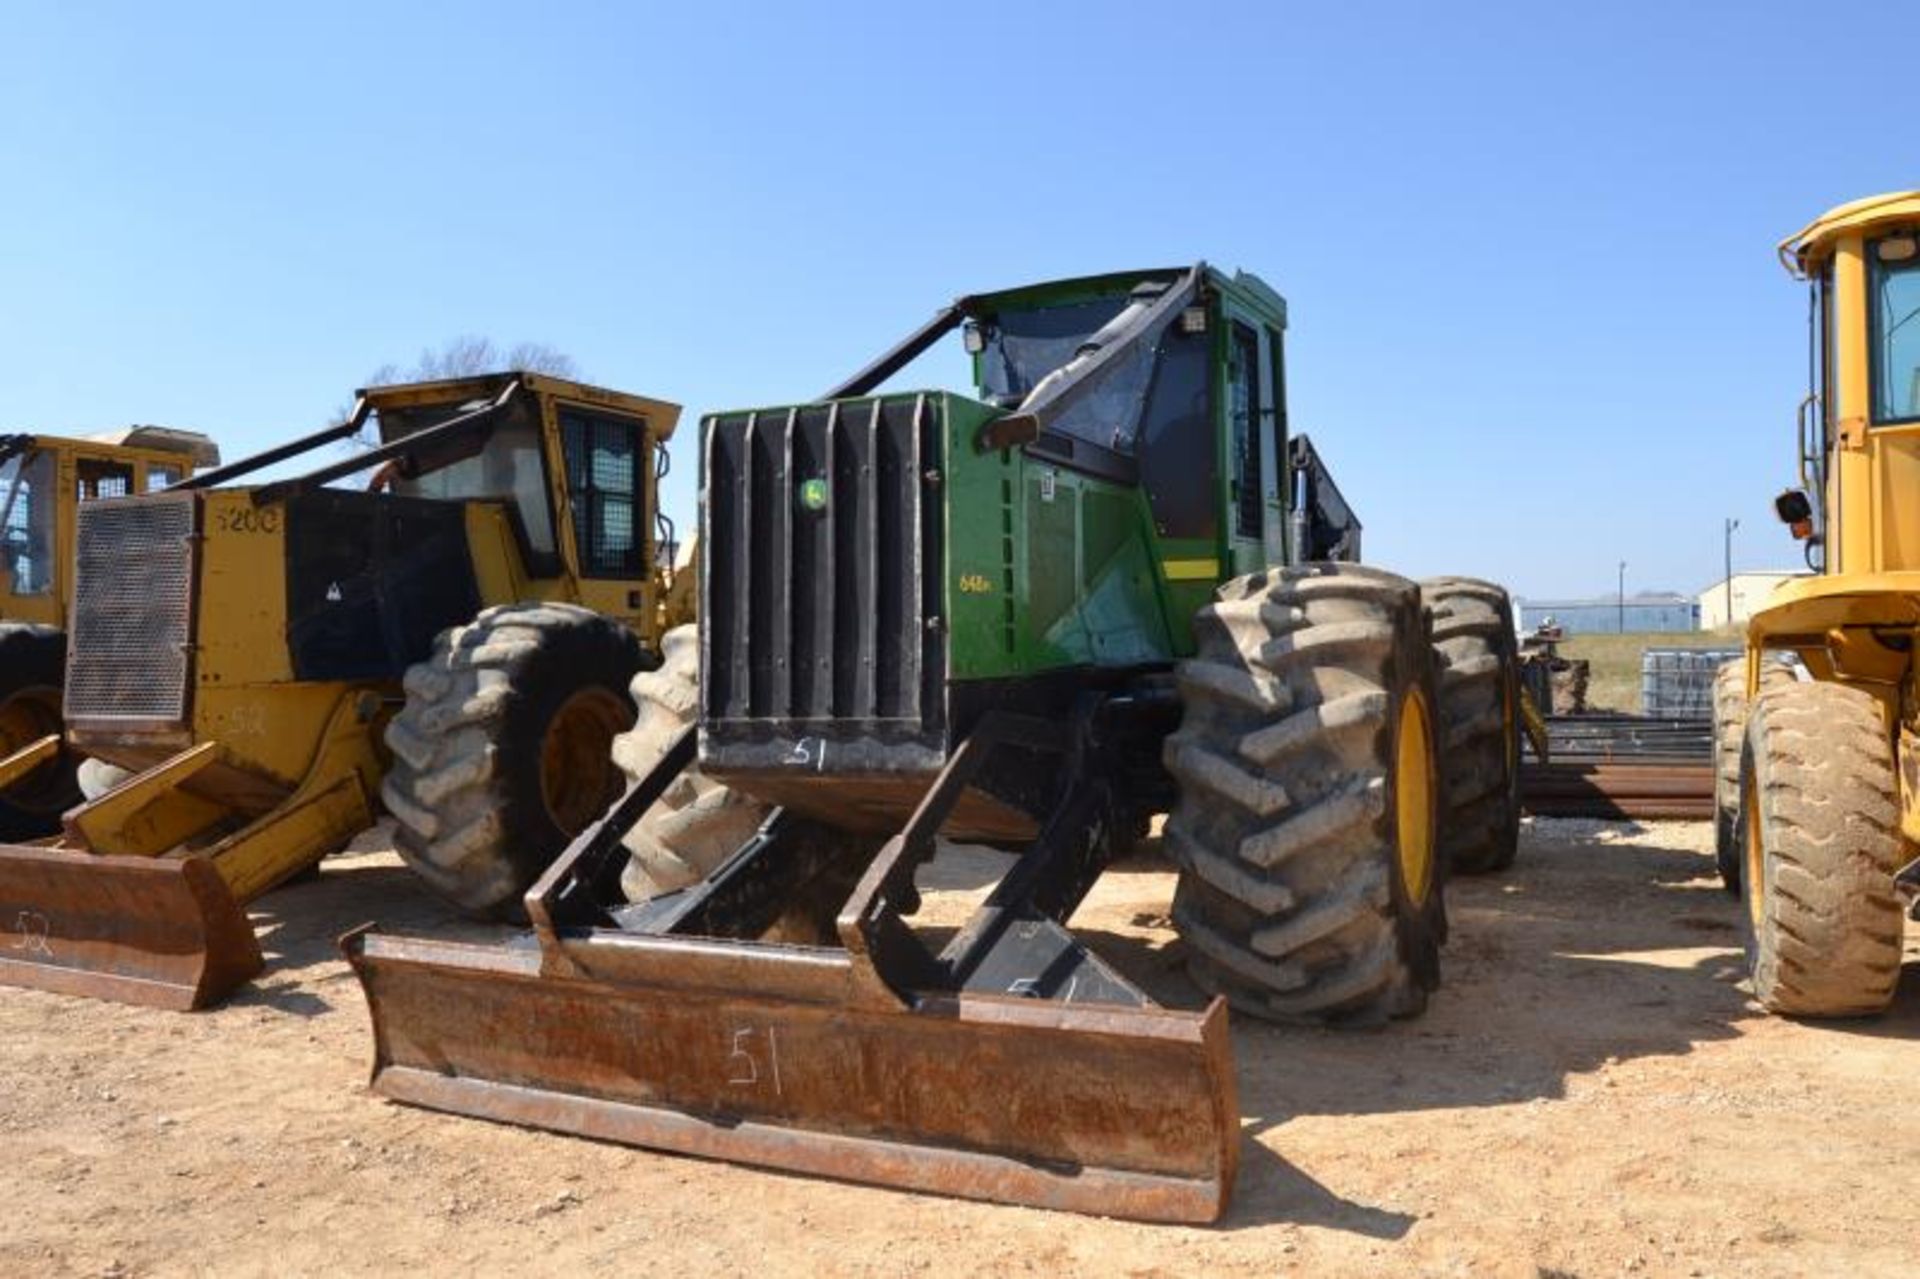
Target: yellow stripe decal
x,y
1190,570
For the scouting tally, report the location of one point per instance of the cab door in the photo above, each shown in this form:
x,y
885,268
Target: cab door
x,y
1255,466
605,457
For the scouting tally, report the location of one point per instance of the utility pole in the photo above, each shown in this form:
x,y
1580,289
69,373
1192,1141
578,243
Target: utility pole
x,y
1732,524
1621,626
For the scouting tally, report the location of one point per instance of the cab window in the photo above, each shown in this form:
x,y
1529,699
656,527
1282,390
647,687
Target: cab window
x,y
505,464
102,479
1243,408
1178,464
1894,323
605,485
26,522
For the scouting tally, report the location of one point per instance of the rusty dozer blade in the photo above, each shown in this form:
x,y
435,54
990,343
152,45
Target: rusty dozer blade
x,y
1014,1065
122,910
160,931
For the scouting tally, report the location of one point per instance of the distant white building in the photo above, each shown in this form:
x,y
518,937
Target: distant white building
x,y
1750,591
1604,615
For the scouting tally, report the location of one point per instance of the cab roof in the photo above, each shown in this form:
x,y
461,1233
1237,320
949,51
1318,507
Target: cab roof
x,y
661,415
1073,288
197,447
1812,244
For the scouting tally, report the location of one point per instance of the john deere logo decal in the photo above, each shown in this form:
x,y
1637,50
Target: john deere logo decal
x,y
813,494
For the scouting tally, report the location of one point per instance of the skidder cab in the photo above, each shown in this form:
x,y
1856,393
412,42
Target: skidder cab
x,y
442,625
43,481
1107,584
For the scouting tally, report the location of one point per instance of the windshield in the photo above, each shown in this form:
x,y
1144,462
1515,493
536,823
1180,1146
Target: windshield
x,y
505,463
1896,330
1022,347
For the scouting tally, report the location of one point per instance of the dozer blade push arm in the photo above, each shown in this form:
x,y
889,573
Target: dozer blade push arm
x,y
1013,1066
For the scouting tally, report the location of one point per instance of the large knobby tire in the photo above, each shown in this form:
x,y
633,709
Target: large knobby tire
x,y
1305,829
503,751
1729,735
33,665
1819,829
698,822
1479,723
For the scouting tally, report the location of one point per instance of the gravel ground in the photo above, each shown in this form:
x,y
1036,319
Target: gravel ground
x,y
1591,1094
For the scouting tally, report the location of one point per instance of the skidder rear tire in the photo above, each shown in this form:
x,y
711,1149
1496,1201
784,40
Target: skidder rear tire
x,y
33,667
1819,829
1729,735
698,822
1306,824
1479,729
503,751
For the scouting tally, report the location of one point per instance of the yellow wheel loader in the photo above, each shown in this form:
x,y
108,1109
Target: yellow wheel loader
x,y
1826,798
450,639
43,481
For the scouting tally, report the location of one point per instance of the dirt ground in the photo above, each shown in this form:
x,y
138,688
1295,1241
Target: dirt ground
x,y
1590,1094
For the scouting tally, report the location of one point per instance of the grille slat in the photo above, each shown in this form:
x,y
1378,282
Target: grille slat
x,y
869,553
829,631
128,656
811,535
913,486
782,628
741,575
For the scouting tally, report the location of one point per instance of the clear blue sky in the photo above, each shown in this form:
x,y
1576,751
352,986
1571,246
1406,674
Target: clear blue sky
x,y
1537,323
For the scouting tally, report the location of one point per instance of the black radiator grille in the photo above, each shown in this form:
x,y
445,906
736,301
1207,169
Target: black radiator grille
x,y
127,656
821,574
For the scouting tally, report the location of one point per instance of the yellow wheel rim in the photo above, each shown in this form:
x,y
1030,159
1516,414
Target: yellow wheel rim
x,y
25,718
1413,796
28,716
1756,884
577,776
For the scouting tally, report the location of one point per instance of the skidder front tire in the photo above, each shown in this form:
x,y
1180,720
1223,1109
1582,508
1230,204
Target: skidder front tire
x,y
1306,824
1729,735
1479,723
698,822
503,751
33,676
1819,828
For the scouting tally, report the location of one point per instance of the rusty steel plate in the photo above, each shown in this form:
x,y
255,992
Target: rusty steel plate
x,y
158,931
793,1058
1647,789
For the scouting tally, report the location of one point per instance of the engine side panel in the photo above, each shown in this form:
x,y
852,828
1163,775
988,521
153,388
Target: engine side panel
x,y
370,580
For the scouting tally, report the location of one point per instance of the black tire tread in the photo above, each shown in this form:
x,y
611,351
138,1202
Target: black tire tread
x,y
1827,942
35,655
1288,900
1479,679
458,785
1729,733
698,822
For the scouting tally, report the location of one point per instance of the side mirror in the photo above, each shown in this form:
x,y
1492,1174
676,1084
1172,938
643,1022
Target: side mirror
x,y
1796,512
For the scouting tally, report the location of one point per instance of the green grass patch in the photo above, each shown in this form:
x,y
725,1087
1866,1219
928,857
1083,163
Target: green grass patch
x,y
1613,678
